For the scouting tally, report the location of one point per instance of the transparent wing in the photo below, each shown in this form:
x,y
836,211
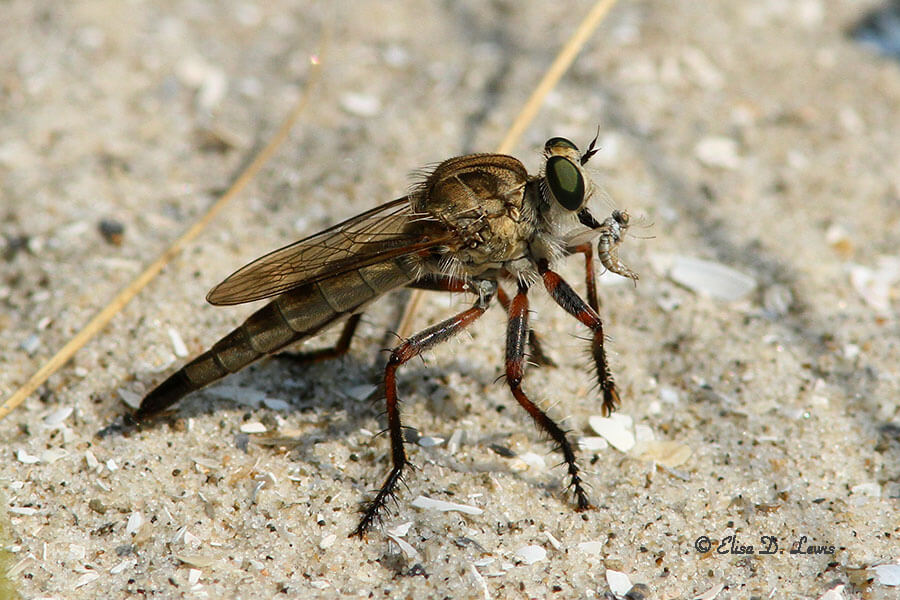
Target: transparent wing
x,y
372,237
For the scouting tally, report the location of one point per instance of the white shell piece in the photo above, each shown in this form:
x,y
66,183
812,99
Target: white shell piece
x,y
443,506
58,416
91,460
835,593
531,554
25,511
711,278
134,523
618,429
711,592
400,530
253,427
27,459
429,441
867,489
887,575
534,461
360,392
405,546
618,582
53,454
593,547
125,564
87,578
361,105
178,346
719,152
130,399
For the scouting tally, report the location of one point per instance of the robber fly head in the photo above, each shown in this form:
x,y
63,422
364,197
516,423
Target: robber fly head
x,y
564,179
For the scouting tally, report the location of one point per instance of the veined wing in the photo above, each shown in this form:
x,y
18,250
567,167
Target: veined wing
x,y
374,236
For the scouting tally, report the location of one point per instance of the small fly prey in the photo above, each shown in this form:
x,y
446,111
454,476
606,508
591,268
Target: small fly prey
x,y
474,224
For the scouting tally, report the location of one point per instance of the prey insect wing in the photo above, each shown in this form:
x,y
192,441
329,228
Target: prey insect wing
x,y
380,234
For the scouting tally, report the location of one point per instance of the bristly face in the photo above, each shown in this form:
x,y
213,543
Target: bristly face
x,y
565,190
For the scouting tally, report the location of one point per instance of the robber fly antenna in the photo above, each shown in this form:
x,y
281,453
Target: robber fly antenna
x,y
592,149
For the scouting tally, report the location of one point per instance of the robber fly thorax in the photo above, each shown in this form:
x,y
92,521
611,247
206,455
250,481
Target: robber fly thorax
x,y
475,223
506,221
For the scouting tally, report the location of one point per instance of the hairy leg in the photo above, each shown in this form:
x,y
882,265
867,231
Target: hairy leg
x,y
572,303
516,336
409,349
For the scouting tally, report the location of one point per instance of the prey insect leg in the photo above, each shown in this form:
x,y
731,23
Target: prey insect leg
x,y
411,348
516,336
572,303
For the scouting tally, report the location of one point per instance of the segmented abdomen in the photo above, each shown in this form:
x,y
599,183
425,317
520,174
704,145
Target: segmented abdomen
x,y
292,317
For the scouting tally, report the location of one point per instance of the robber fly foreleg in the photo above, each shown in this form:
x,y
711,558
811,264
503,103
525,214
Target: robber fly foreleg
x,y
572,303
590,278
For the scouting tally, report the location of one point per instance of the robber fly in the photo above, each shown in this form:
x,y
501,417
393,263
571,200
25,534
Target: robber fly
x,y
475,222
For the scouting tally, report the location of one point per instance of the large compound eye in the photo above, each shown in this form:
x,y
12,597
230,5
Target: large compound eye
x,y
565,182
558,142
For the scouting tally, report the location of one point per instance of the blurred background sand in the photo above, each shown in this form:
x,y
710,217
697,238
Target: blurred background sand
x,y
756,136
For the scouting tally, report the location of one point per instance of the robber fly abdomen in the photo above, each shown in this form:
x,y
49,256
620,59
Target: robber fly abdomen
x,y
475,223
291,318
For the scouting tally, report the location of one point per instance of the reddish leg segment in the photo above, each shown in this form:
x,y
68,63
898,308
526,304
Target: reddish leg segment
x,y
441,283
411,348
572,303
536,352
590,279
516,339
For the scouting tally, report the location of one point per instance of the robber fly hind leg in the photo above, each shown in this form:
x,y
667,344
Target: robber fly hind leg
x,y
442,283
340,348
409,349
516,336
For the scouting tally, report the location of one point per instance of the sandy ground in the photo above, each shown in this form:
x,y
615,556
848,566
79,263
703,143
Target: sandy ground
x,y
754,135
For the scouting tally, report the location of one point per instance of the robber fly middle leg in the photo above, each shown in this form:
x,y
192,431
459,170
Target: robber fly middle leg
x,y
573,304
440,283
536,352
516,336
